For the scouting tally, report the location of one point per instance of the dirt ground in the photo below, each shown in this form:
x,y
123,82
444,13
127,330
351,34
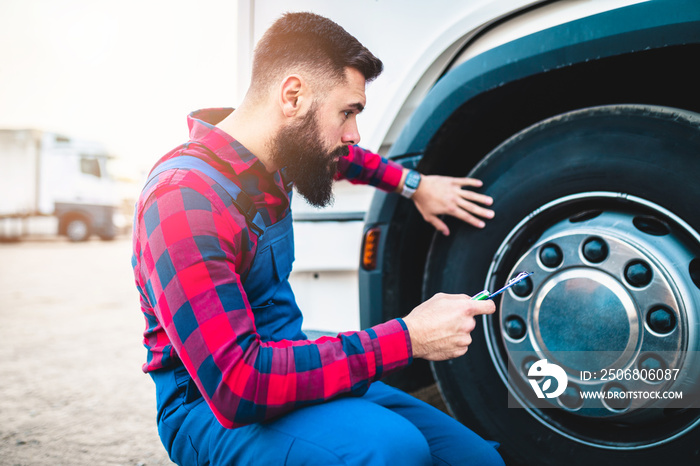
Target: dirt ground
x,y
71,387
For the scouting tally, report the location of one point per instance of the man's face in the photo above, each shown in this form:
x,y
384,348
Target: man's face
x,y
310,147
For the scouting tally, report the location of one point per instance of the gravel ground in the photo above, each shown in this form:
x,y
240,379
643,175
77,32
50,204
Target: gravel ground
x,y
71,387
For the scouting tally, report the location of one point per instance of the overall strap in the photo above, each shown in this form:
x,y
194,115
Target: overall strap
x,y
240,199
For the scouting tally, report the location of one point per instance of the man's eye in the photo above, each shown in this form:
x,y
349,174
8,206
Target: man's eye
x,y
347,114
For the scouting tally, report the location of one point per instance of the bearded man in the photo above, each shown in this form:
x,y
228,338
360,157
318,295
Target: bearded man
x,y
237,381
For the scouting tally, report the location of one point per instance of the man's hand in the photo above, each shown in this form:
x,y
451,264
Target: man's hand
x,y
438,195
440,328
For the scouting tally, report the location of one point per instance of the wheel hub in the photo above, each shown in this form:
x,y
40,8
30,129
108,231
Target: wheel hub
x,y
584,310
611,300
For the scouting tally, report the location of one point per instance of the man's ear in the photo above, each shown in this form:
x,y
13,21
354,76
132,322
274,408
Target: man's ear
x,y
292,95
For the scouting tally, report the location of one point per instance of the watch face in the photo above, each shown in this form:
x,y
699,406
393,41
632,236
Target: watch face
x,y
412,179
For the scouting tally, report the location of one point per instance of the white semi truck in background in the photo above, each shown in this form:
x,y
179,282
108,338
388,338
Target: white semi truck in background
x,y
582,117
52,184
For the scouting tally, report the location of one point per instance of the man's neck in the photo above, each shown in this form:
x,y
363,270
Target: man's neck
x,y
248,126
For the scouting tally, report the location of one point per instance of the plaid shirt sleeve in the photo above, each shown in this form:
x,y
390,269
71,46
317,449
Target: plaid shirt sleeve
x,y
361,166
190,249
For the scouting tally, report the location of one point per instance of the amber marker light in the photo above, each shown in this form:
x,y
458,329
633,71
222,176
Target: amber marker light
x,y
370,248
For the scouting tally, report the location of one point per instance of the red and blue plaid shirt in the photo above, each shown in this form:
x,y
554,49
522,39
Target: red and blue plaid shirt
x,y
191,248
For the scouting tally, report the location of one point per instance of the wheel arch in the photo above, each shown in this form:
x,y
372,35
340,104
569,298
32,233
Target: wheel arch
x,y
602,43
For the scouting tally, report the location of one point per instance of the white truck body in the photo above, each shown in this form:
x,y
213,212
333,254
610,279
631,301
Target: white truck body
x,y
48,180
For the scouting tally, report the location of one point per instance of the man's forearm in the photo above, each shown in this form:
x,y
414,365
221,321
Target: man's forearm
x,y
361,166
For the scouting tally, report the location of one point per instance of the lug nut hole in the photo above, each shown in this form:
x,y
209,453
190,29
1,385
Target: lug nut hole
x,y
523,288
571,398
595,250
515,327
638,273
653,368
527,364
615,397
551,255
661,320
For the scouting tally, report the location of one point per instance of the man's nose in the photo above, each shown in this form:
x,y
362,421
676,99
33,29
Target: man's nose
x,y
352,135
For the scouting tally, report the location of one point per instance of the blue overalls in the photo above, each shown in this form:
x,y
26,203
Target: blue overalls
x,y
384,426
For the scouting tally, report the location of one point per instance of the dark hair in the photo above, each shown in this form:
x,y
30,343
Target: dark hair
x,y
310,42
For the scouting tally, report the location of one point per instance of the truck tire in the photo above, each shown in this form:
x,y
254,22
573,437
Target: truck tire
x,y
77,229
601,204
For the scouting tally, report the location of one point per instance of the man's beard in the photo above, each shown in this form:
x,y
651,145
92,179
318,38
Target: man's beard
x,y
309,164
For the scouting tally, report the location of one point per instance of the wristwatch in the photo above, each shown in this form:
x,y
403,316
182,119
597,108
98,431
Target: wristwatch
x,y
410,184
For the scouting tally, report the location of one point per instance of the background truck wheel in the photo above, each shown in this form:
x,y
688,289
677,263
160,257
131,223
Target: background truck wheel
x,y
77,229
601,204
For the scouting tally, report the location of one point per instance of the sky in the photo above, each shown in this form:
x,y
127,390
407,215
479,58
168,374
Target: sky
x,y
124,73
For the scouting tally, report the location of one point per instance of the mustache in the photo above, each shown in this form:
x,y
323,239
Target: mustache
x,y
341,151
